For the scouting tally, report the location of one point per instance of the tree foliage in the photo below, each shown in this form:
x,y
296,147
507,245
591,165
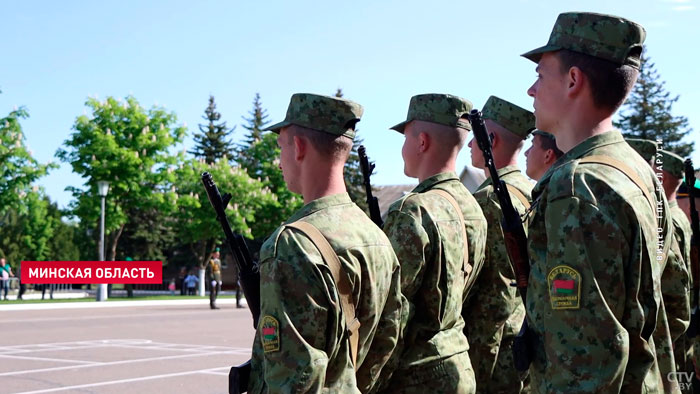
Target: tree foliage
x,y
647,113
195,219
259,156
18,169
212,143
128,146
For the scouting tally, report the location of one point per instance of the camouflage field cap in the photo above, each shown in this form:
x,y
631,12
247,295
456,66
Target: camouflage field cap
x,y
517,120
645,148
330,115
444,109
672,163
544,134
603,36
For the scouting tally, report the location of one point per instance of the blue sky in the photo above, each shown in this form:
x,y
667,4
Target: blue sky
x,y
177,53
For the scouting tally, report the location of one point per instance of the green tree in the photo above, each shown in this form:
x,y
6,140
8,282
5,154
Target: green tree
x,y
195,219
353,173
18,169
259,156
211,142
61,246
128,146
28,230
647,113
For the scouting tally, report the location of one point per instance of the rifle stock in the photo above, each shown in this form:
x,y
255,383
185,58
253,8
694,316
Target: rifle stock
x,y
248,275
694,326
514,237
367,168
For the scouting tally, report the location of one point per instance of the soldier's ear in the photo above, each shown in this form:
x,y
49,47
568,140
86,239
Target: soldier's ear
x,y
301,145
423,141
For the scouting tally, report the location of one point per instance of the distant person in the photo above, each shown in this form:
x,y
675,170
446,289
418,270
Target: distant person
x,y
171,287
541,155
51,288
215,276
22,286
191,282
6,273
181,280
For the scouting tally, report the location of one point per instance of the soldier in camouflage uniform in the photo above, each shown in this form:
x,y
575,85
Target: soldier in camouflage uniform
x,y
428,234
596,257
671,167
494,311
675,278
646,148
302,339
541,155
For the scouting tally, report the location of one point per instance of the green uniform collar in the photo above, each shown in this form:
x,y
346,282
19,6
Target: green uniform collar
x,y
580,150
428,183
320,204
502,172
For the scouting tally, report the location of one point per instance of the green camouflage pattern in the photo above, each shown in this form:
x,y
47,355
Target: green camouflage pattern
x,y
670,162
593,219
607,37
494,310
646,148
427,236
332,115
682,234
453,375
298,290
444,109
517,120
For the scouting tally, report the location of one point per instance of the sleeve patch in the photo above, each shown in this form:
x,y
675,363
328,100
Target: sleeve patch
x,y
564,287
270,334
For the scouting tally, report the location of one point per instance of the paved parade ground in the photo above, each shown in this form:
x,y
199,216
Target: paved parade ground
x,y
122,347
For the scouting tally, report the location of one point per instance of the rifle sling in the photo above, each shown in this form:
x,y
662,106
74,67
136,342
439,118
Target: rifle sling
x,y
341,280
466,266
632,175
515,191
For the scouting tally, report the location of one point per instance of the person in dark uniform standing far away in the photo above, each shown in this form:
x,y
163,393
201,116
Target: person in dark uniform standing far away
x,y
594,293
331,303
438,232
494,311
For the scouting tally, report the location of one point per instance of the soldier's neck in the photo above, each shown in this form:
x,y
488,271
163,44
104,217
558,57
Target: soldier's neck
x,y
433,167
323,182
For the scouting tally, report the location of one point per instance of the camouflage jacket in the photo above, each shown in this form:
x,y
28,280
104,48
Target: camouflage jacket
x,y
682,232
426,235
301,344
494,310
675,279
594,291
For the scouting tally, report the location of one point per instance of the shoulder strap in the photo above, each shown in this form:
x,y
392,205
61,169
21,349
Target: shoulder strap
x,y
466,266
341,281
520,195
632,175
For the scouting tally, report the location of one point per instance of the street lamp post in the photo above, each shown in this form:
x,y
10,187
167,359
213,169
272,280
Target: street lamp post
x,y
102,189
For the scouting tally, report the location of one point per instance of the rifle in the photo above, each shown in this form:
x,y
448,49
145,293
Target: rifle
x,y
248,275
367,168
514,237
692,331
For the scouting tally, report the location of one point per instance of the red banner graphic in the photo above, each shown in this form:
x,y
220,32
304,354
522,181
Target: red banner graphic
x,y
88,272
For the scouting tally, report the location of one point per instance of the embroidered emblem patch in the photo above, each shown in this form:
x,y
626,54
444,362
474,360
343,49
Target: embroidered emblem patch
x,y
564,287
270,334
